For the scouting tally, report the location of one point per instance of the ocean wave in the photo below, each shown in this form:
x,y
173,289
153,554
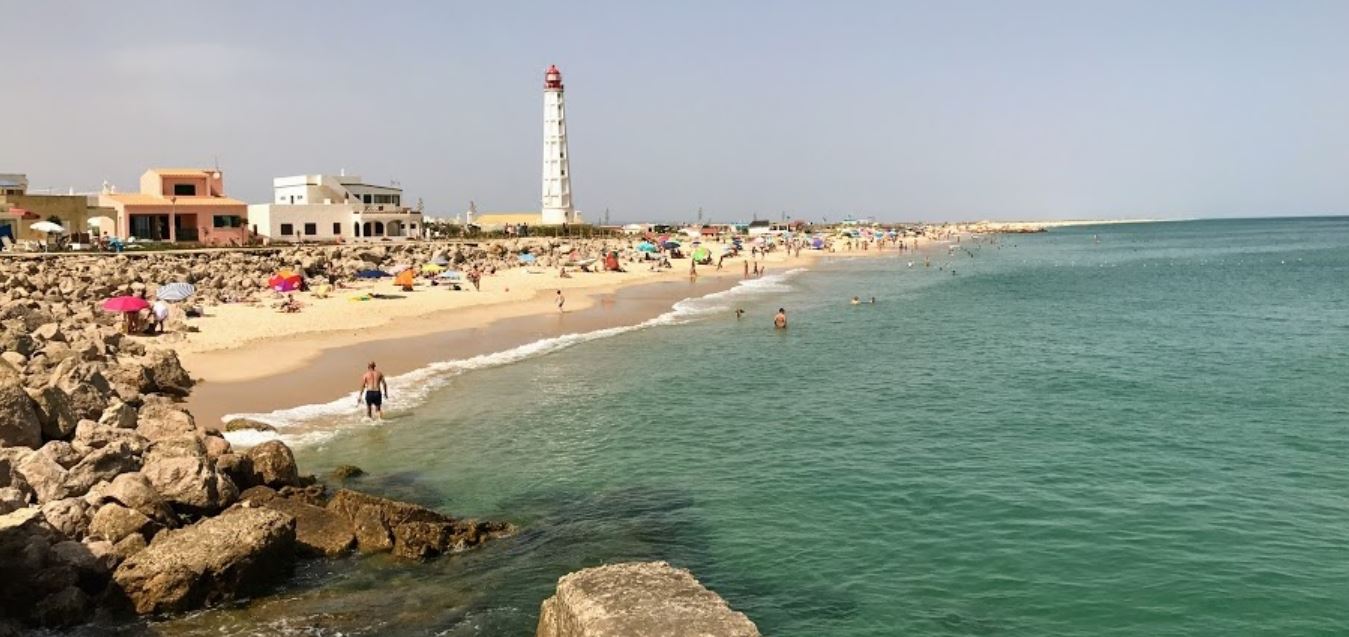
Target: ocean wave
x,y
317,423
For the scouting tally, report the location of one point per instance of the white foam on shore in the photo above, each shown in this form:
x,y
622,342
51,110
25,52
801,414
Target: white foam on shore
x,y
317,423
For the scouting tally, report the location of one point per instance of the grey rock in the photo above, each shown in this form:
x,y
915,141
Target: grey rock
x,y
101,464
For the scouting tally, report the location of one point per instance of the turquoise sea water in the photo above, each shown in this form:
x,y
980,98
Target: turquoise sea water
x,y
1145,435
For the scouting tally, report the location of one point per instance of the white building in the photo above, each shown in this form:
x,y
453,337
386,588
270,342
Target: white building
x,y
334,207
557,206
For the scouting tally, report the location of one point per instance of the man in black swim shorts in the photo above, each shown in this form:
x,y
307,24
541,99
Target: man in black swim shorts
x,y
373,390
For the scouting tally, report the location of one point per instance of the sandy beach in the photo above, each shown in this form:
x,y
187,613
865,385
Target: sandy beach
x,y
251,358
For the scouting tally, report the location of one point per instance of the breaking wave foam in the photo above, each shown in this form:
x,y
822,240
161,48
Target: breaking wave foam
x,y
317,423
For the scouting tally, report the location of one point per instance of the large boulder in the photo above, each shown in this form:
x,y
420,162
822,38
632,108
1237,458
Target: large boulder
x,y
54,412
67,515
374,518
179,470
104,463
273,465
238,553
160,418
44,476
652,599
134,491
113,522
19,423
166,372
90,435
319,531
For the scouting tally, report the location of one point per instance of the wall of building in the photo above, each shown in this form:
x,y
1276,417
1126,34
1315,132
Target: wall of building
x,y
329,222
72,210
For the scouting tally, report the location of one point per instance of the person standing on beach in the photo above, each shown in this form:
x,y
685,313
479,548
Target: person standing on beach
x,y
746,268
780,321
561,300
373,390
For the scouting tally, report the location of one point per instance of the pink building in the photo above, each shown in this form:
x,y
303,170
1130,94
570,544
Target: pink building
x,y
180,204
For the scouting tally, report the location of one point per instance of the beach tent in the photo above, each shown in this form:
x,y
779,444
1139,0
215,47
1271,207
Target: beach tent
x,y
404,279
175,291
702,254
372,274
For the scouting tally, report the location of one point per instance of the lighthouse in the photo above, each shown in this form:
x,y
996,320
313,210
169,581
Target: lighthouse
x,y
557,207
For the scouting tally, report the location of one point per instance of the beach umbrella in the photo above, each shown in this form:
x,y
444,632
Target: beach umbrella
x,y
441,260
450,275
671,245
404,279
372,274
284,283
817,243
433,268
175,291
526,257
399,267
125,304
701,253
47,227
647,246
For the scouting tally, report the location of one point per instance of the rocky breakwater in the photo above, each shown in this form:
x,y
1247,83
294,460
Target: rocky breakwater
x,y
652,599
113,499
72,284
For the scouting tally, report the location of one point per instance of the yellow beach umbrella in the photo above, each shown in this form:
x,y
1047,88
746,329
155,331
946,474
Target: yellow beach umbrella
x,y
433,268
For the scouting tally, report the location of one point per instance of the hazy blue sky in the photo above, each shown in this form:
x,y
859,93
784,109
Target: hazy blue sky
x,y
923,110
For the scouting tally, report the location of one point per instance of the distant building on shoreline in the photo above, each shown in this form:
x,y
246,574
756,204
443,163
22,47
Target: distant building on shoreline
x,y
179,204
334,208
19,210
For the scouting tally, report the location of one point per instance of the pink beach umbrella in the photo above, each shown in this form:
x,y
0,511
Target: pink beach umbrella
x,y
125,304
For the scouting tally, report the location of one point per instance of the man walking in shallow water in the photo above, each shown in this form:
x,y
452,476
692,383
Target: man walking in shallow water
x,y
373,390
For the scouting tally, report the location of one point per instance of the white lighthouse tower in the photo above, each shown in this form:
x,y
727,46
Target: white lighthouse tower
x,y
557,208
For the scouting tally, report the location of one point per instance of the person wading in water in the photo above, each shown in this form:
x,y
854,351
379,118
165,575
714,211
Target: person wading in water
x,y
373,391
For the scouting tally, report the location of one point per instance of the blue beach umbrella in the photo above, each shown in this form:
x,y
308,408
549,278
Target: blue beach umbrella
x,y
372,274
526,257
670,245
175,291
647,246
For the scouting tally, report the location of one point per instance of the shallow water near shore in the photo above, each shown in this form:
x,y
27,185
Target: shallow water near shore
x,y
1143,435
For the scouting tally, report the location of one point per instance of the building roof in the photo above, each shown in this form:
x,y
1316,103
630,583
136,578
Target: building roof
x,y
181,172
139,199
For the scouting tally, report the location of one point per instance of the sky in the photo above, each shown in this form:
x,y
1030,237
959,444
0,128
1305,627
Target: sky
x,y
925,110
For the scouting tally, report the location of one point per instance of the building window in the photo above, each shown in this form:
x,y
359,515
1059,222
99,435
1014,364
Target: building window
x,y
365,198
287,229
185,190
337,228
311,229
227,221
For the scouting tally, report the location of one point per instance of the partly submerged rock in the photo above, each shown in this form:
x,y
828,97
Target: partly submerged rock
x,y
652,599
240,552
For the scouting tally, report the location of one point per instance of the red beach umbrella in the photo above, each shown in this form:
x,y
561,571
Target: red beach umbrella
x,y
125,304
284,282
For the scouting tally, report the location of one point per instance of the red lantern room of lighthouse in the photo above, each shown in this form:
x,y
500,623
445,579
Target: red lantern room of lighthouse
x,y
552,79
